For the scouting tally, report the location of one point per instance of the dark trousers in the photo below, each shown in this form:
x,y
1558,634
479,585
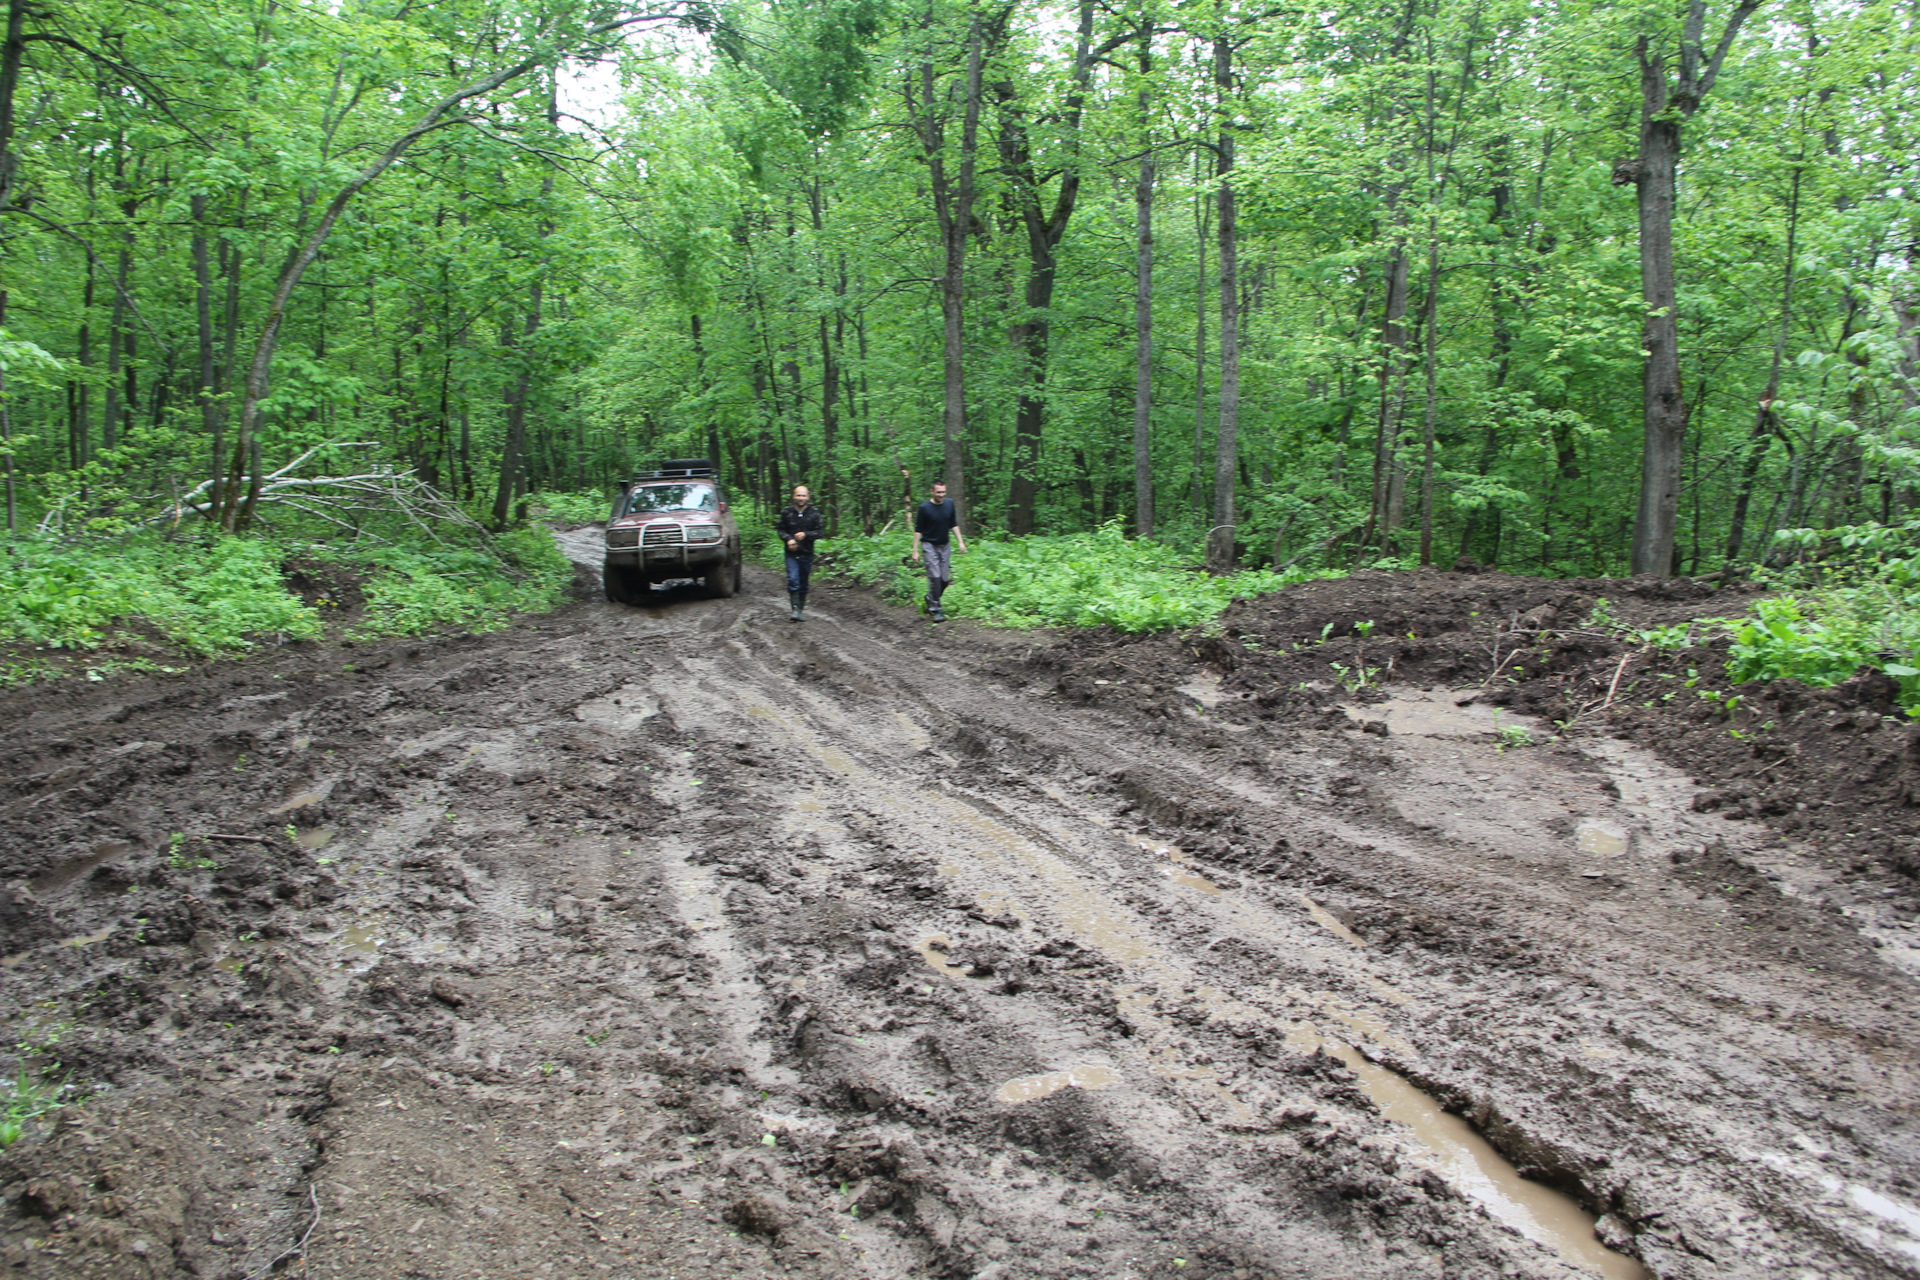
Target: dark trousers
x,y
799,570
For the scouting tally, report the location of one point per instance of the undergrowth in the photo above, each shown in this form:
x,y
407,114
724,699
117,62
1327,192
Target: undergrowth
x,y
1082,579
583,507
225,594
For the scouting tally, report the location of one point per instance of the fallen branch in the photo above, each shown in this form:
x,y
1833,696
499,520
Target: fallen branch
x,y
215,835
1618,671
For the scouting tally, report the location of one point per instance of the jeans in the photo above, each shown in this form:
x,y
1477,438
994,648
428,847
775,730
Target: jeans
x,y
938,558
799,570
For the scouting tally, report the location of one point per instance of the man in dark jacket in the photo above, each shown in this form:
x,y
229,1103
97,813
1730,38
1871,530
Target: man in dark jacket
x,y
800,526
935,522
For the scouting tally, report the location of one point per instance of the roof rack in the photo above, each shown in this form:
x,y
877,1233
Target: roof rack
x,y
679,469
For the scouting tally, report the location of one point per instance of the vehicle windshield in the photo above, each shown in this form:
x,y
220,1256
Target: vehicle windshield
x,y
671,497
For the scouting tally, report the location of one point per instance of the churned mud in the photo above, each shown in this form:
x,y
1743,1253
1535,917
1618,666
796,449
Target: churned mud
x,y
681,940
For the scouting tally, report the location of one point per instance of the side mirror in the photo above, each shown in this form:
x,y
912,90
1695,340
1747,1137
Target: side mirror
x,y
723,508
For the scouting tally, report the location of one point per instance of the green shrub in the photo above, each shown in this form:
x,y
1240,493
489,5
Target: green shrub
x,y
587,506
205,597
423,588
1824,638
219,595
1082,579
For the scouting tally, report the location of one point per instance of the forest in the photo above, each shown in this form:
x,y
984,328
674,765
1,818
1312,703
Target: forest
x,y
1567,288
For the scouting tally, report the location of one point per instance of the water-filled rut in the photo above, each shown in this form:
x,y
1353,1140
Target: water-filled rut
x,y
680,939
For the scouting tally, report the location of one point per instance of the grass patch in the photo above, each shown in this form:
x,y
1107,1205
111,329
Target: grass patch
x,y
28,1097
222,595
204,598
1092,579
417,589
588,506
1825,637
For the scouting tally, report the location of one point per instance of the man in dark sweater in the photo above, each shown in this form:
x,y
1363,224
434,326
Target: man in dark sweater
x,y
935,522
800,526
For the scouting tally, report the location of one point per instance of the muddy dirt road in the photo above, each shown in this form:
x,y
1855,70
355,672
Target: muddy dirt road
x,y
683,941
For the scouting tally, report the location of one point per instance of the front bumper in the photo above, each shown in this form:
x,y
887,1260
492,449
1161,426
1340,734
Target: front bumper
x,y
668,559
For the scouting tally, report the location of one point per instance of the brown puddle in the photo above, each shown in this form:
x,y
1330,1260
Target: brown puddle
x,y
1193,881
303,799
72,869
1469,1162
1601,838
364,938
1033,1088
934,951
87,940
314,838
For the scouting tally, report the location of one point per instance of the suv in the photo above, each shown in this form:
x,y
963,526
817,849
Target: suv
x,y
668,524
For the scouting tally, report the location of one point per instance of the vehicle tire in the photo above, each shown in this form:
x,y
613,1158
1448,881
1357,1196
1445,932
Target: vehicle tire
x,y
618,583
723,582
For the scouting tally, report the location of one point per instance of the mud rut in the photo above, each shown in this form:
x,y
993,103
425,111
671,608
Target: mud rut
x,y
679,940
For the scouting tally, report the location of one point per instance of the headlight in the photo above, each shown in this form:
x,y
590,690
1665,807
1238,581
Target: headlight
x,y
623,537
703,533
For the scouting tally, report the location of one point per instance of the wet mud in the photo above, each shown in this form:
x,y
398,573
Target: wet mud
x,y
680,940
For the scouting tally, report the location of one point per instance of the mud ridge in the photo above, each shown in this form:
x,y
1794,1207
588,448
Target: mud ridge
x,y
681,940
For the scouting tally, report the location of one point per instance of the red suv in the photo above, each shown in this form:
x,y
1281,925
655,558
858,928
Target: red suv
x,y
671,524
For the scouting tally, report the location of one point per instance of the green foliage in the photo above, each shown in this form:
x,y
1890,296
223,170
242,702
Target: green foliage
x,y
29,1096
1087,579
584,507
206,597
223,595
1825,638
425,588
1513,737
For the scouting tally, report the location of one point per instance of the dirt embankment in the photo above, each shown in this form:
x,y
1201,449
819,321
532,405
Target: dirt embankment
x,y
681,940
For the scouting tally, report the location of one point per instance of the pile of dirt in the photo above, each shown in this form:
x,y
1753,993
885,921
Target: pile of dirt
x,y
1836,769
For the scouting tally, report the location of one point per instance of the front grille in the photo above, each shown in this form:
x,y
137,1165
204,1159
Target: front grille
x,y
660,535
623,537
703,533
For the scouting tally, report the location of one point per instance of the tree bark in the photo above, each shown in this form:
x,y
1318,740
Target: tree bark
x,y
1765,425
260,368
1143,304
13,48
1226,444
203,322
1032,334
953,206
1664,110
1203,225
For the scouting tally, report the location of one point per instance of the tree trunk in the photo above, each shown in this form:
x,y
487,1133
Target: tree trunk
x,y
954,206
1664,110
13,48
6,432
1032,334
1764,424
1226,444
1203,225
83,356
1382,518
203,319
259,369
512,452
1663,399
1430,321
1143,306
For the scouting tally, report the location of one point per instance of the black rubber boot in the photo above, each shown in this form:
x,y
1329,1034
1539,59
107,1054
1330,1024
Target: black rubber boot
x,y
800,609
793,606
